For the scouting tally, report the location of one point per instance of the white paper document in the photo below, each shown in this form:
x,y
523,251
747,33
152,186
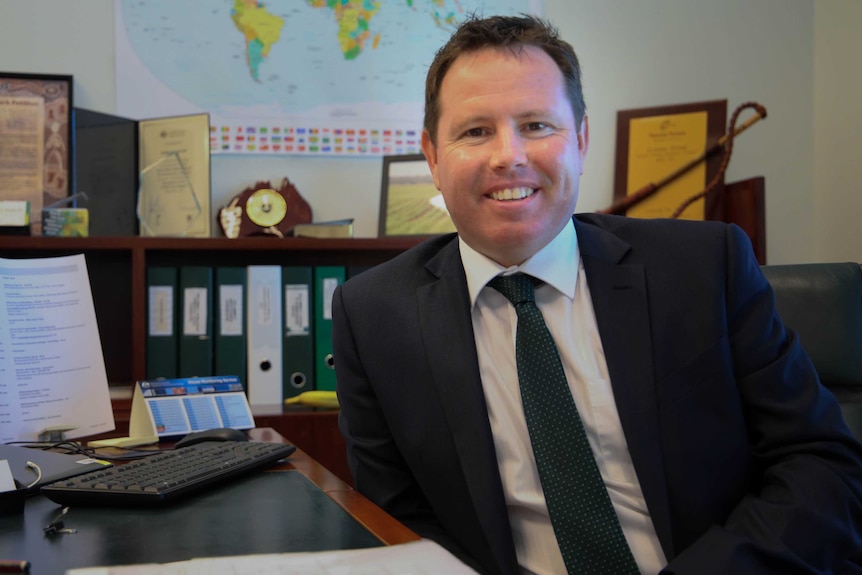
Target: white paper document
x,y
52,372
417,558
7,480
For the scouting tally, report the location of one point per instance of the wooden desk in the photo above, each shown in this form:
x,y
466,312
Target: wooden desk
x,y
288,508
385,527
315,431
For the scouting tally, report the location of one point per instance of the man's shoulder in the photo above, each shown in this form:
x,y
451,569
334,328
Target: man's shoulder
x,y
623,225
407,267
659,241
645,233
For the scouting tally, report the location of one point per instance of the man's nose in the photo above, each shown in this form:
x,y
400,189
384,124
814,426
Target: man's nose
x,y
509,150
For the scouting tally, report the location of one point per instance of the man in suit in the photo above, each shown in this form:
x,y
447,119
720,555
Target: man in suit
x,y
720,451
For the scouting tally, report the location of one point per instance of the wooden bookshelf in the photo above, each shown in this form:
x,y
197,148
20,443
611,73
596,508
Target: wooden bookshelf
x,y
117,268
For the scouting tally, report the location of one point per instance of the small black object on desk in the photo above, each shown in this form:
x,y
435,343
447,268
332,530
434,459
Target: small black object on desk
x,y
215,434
13,501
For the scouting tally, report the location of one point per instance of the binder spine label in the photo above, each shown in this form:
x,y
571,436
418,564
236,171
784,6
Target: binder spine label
x,y
195,311
230,305
161,320
297,310
329,285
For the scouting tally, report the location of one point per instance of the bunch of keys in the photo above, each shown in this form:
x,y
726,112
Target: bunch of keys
x,y
56,525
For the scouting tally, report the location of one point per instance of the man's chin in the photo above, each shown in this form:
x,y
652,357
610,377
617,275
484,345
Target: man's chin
x,y
508,250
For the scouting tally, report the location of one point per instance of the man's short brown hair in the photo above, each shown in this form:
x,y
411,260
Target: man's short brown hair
x,y
512,32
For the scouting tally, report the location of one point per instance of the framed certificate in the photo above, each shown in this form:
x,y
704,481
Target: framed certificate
x,y
410,204
35,140
653,147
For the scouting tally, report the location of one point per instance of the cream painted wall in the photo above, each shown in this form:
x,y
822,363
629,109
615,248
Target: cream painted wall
x,y
638,54
838,130
634,54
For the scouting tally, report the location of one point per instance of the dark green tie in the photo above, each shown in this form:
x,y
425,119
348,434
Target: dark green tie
x,y
587,528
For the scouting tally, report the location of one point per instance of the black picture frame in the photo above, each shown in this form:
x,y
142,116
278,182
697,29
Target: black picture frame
x,y
57,153
410,204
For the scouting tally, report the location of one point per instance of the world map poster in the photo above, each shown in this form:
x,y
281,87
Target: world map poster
x,y
309,77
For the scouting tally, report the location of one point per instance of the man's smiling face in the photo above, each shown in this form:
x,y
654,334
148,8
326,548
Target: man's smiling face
x,y
508,156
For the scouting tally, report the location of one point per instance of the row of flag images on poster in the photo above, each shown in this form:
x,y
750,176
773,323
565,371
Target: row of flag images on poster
x,y
274,139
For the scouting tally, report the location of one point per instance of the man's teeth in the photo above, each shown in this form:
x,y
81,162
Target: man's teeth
x,y
512,194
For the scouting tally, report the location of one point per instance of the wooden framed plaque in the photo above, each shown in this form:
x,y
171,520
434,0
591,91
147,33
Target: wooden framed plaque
x,y
655,143
36,151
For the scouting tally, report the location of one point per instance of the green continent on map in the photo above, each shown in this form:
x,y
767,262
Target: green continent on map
x,y
260,28
353,17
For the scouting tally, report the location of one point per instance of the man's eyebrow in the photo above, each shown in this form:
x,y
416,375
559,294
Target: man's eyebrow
x,y
539,113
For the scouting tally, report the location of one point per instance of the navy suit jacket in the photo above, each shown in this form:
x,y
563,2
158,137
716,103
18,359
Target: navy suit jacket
x,y
743,457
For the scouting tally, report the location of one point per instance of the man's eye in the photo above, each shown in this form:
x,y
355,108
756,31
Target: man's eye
x,y
475,132
536,126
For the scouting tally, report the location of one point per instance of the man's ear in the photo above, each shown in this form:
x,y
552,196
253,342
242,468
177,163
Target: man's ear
x,y
584,141
430,151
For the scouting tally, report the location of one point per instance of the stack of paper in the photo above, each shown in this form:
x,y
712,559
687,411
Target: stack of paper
x,y
417,558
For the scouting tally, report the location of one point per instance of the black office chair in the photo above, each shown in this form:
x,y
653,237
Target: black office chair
x,y
823,304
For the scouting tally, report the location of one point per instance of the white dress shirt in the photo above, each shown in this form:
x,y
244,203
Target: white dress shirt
x,y
565,303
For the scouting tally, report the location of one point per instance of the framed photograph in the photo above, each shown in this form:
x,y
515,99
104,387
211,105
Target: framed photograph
x,y
654,145
35,140
410,204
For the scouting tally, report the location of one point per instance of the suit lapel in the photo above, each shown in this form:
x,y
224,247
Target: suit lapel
x,y
447,329
621,305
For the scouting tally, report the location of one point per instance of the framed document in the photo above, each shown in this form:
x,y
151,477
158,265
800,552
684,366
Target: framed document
x,y
174,184
654,144
410,204
35,140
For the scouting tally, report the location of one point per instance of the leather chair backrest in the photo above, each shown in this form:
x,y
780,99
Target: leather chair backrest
x,y
822,303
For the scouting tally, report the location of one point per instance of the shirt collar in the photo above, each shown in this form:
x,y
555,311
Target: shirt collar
x,y
555,264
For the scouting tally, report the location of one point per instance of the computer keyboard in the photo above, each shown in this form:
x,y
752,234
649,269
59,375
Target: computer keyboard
x,y
168,476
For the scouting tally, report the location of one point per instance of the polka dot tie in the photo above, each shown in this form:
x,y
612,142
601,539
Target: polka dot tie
x,y
587,528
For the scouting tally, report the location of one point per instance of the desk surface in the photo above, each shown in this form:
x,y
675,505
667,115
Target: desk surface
x,y
386,528
295,506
